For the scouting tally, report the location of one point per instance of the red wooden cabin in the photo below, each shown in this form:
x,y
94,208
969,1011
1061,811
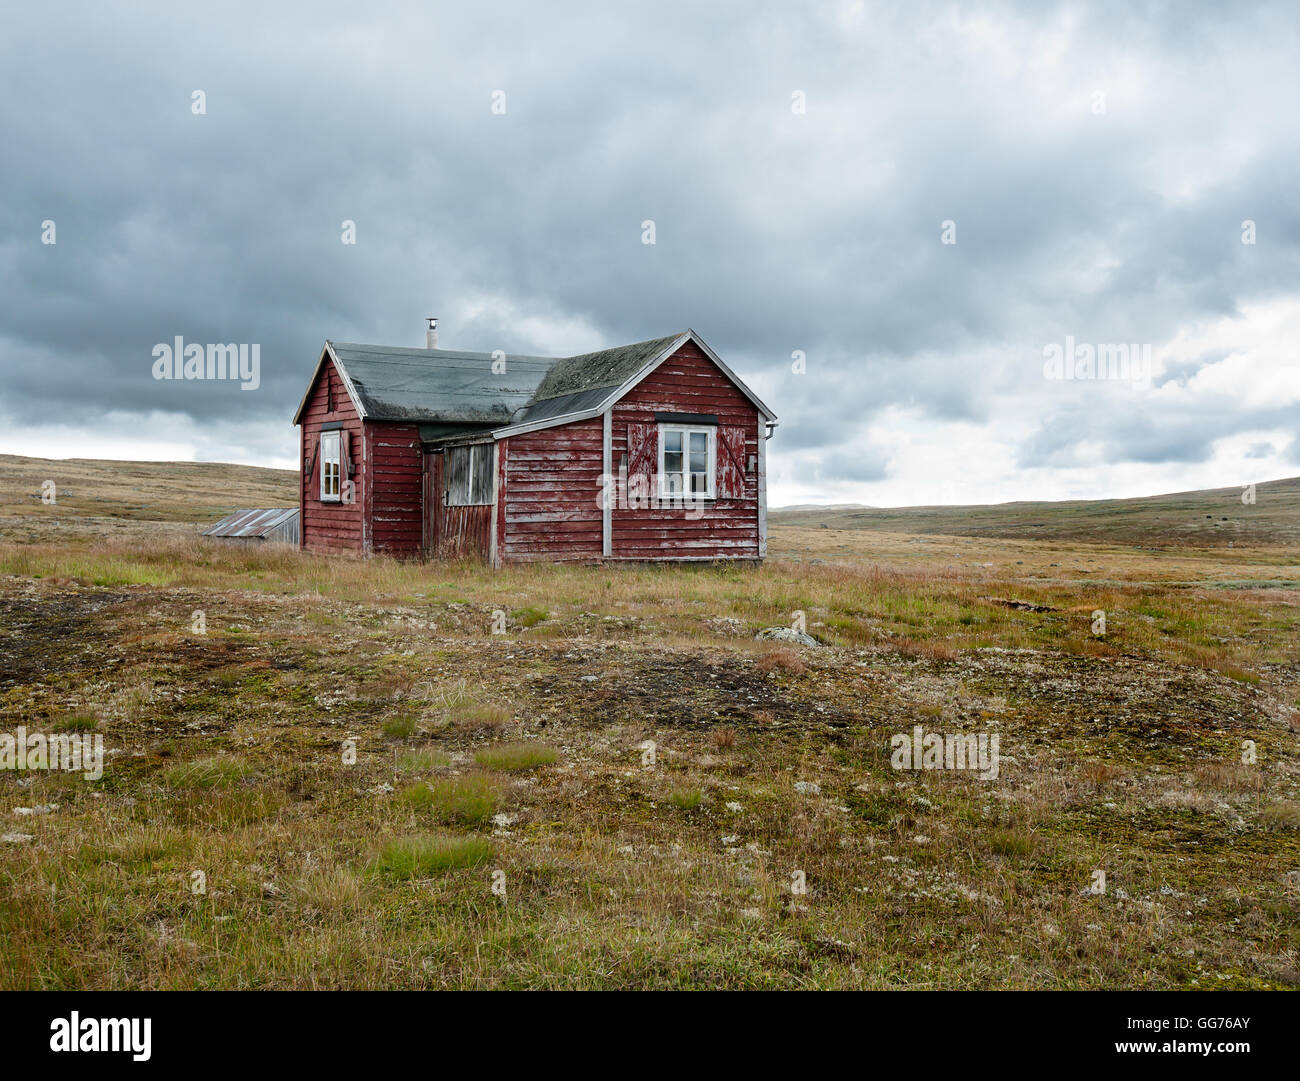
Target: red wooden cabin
x,y
651,451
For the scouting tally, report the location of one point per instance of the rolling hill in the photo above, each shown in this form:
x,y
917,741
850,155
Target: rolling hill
x,y
1211,518
144,491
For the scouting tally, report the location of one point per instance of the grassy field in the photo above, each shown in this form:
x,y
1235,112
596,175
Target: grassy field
x,y
1214,518
349,780
137,491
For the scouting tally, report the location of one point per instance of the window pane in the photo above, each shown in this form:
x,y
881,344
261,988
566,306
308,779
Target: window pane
x,y
329,469
673,483
672,440
699,460
699,441
699,483
456,479
481,484
672,461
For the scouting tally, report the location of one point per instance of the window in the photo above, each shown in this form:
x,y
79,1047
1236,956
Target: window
x,y
467,476
687,457
330,466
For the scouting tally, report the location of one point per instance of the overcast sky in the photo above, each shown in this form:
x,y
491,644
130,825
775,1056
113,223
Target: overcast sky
x,y
1096,166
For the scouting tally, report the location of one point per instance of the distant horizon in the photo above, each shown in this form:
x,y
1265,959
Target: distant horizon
x,y
772,507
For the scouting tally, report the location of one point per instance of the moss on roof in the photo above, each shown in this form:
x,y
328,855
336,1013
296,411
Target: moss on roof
x,y
603,368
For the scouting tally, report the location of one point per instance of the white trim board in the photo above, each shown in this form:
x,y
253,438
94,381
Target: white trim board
x,y
607,469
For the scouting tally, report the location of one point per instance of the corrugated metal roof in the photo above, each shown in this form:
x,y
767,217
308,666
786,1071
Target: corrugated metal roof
x,y
448,386
251,523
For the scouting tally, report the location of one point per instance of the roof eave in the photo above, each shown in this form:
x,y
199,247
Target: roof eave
x,y
550,422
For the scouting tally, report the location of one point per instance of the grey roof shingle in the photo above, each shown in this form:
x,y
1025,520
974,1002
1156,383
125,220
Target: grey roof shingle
x,y
604,368
447,386
439,384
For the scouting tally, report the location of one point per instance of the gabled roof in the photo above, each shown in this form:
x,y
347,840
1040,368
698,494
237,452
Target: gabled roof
x,y
452,388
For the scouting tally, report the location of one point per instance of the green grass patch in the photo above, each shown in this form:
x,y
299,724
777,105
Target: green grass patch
x,y
686,799
213,772
425,758
400,726
466,801
1012,844
513,757
530,617
427,853
75,723
471,715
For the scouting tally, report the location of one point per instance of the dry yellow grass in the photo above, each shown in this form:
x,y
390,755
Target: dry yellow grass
x,y
699,816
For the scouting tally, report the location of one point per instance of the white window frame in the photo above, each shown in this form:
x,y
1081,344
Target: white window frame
x,y
711,473
331,454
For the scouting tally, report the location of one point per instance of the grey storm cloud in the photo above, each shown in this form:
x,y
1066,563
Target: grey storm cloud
x,y
859,468
776,231
1122,432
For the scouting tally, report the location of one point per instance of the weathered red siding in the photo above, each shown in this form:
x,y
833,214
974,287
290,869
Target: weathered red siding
x,y
548,482
688,382
395,466
330,525
551,493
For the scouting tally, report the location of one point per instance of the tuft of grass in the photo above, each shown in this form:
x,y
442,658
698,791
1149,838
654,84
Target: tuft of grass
x,y
472,716
1282,815
466,801
783,659
1012,843
401,726
427,853
215,772
1100,773
1228,776
686,799
77,722
423,758
723,738
530,616
227,808
331,891
514,757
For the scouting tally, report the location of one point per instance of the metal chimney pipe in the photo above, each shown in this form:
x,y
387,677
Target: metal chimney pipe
x,y
431,335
